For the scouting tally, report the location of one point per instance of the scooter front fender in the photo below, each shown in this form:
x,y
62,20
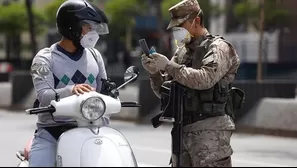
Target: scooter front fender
x,y
98,147
24,163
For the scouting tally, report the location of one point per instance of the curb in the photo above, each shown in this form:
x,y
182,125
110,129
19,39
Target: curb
x,y
266,131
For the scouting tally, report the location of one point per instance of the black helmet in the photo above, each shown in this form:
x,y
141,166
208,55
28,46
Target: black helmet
x,y
72,14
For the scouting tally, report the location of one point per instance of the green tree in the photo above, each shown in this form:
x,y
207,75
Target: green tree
x,y
13,17
122,17
50,11
120,12
12,25
276,16
273,16
207,8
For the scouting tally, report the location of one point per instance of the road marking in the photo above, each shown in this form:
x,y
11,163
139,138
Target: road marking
x,y
236,160
147,165
151,149
256,163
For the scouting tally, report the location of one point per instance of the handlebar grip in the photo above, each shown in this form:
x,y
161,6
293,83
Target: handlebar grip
x,y
49,109
130,104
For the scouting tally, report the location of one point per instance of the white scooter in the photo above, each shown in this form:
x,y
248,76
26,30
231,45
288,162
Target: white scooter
x,y
92,143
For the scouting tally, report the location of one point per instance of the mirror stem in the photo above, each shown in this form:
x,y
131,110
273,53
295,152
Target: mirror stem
x,y
128,81
57,97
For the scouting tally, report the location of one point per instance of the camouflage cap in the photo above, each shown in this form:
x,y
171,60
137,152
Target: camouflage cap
x,y
181,12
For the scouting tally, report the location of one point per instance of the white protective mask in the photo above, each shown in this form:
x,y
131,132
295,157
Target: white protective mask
x,y
181,35
90,39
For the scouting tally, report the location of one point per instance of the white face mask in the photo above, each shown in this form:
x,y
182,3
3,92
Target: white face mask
x,y
90,39
181,35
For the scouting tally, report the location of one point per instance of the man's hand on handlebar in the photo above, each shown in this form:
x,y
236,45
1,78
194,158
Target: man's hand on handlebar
x,y
82,88
108,87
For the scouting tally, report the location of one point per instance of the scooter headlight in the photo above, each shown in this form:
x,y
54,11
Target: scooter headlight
x,y
93,108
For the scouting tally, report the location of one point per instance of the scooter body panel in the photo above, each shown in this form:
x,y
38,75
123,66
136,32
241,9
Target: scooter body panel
x,y
96,147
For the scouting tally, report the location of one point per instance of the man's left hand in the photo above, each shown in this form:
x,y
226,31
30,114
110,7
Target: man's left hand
x,y
159,60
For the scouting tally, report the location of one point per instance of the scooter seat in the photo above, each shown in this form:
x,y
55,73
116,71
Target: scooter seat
x,y
28,148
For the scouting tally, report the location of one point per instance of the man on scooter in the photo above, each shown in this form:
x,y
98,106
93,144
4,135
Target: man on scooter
x,y
76,67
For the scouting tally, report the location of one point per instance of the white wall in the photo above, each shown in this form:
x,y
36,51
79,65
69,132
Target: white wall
x,y
218,24
247,46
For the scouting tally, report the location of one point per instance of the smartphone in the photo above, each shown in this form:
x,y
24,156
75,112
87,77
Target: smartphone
x,y
144,47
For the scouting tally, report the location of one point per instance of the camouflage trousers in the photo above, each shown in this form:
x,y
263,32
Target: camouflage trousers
x,y
206,149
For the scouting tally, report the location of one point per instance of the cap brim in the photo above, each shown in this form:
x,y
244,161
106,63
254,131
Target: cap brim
x,y
173,23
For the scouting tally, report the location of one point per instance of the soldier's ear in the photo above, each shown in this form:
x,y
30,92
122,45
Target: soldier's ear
x,y
197,21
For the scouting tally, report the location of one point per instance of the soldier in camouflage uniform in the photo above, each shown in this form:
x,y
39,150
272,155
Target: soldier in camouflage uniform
x,y
206,139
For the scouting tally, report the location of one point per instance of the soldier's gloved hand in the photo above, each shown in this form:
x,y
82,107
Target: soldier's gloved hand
x,y
160,60
148,64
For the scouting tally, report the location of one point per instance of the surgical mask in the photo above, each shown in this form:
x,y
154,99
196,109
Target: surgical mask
x,y
90,39
181,35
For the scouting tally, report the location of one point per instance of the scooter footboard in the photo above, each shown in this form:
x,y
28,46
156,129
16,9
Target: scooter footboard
x,y
101,147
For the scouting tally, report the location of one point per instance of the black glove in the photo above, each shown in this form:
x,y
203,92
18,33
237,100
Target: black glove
x,y
107,87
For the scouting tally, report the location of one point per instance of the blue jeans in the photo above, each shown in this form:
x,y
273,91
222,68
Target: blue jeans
x,y
43,150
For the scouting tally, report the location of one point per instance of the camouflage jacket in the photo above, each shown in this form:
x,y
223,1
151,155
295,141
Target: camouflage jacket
x,y
219,64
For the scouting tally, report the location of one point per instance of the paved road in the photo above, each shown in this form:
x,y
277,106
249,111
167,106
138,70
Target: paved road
x,y
152,146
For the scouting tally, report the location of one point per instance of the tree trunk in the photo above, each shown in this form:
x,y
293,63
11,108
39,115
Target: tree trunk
x,y
128,38
7,47
15,47
262,18
31,27
161,44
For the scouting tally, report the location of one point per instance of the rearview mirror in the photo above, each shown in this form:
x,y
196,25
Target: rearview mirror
x,y
131,72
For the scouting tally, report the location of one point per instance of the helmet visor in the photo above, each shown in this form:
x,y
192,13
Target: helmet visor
x,y
100,28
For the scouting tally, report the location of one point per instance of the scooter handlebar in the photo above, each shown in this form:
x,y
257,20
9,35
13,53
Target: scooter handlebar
x,y
48,109
130,104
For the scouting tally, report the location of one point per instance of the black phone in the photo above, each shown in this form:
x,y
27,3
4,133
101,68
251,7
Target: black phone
x,y
144,47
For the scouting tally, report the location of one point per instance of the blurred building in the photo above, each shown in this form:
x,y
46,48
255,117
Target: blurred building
x,y
288,39
279,52
279,45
